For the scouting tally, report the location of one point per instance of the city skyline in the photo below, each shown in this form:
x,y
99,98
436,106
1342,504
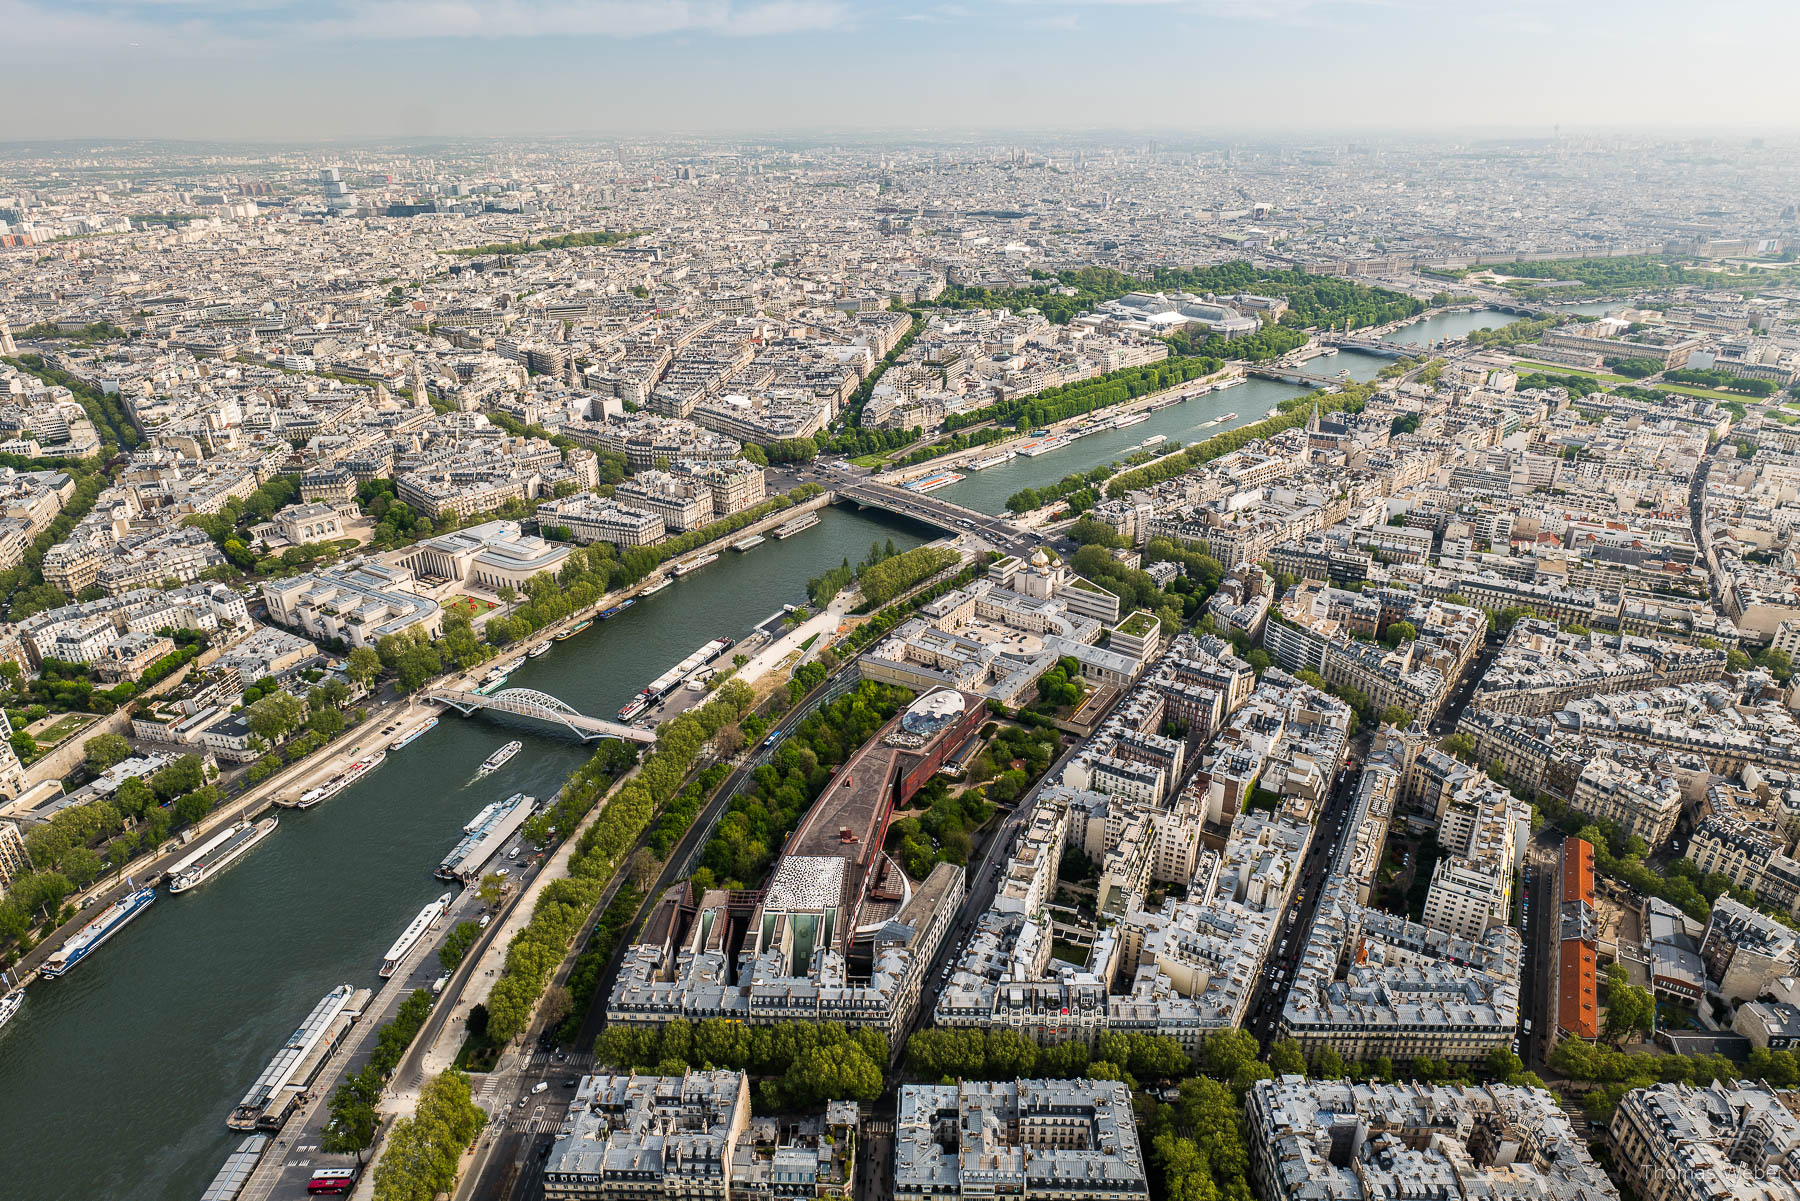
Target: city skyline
x,y
275,70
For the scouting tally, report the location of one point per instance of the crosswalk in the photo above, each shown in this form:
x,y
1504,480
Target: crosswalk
x,y
544,1124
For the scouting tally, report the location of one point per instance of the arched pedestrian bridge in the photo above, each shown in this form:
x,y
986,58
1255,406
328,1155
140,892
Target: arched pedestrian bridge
x,y
540,706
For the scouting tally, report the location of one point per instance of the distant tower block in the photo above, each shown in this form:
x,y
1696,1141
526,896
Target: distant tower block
x,y
6,342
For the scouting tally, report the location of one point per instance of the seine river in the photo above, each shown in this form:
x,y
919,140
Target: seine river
x,y
116,1079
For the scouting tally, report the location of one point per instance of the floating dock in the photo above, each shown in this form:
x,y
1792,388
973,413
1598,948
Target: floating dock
x,y
267,1105
239,1166
484,836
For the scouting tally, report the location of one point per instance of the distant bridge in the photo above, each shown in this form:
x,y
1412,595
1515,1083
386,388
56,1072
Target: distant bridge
x,y
922,506
540,706
1293,375
1375,346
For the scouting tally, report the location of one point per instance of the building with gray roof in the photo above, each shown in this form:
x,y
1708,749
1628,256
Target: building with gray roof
x,y
1074,1140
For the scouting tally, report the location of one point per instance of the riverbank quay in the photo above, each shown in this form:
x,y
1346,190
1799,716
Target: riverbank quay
x,y
1149,401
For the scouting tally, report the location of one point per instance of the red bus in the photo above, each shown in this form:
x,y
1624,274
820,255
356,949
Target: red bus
x,y
331,1180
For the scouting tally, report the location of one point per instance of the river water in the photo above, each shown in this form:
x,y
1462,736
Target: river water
x,y
1186,423
1436,328
115,1080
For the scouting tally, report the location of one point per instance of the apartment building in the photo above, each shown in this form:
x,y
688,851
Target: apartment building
x,y
1675,1142
588,518
1331,1140
1073,1140
653,1138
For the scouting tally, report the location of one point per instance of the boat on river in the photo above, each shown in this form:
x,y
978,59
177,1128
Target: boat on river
x,y
93,936
498,759
409,739
218,853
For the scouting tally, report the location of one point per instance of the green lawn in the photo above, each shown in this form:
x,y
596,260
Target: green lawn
x,y
878,459
1712,393
56,732
474,607
1553,369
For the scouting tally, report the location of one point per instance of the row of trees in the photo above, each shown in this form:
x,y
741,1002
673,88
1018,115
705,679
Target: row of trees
x,y
1621,856
22,586
85,335
564,905
822,588
1312,299
1695,377
1084,396
584,977
996,1053
107,413
423,1152
1614,1073
592,237
80,844
758,820
894,614
353,1121
1514,333
591,572
808,1063
1078,488
888,577
1627,271
1294,412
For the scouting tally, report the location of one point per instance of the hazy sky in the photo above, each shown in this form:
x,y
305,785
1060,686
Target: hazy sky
x,y
302,69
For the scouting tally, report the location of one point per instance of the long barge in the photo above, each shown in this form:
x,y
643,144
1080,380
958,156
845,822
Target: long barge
x,y
9,1004
274,1094
336,784
218,853
91,937
409,739
805,521
667,682
1041,446
483,837
934,481
409,938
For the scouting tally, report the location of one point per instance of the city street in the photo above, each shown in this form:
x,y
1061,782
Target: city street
x,y
1264,1013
